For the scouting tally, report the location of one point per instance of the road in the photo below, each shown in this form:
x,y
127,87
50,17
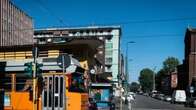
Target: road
x,y
148,103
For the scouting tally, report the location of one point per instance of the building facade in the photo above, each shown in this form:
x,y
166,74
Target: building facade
x,y
108,55
190,55
16,27
112,54
182,77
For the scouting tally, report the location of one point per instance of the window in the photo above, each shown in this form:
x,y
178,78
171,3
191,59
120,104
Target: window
x,y
108,60
7,83
61,91
109,45
23,83
108,53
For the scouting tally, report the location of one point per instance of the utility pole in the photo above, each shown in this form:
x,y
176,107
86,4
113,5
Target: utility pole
x,y
154,88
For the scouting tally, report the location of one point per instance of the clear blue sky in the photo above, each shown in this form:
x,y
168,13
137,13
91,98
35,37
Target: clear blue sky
x,y
155,40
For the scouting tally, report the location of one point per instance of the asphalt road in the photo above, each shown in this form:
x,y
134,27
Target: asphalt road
x,y
148,103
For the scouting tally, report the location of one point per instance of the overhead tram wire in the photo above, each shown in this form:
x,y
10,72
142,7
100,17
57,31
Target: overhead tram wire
x,y
60,20
154,36
114,23
154,20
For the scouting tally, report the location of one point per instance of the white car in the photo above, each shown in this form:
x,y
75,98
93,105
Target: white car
x,y
131,93
179,96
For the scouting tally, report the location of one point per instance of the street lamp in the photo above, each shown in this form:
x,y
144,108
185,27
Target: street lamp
x,y
127,73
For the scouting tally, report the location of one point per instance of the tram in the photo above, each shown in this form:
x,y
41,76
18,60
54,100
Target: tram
x,y
55,90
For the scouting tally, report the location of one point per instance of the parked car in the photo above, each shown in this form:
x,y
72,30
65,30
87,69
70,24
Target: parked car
x,y
132,93
140,92
178,96
146,94
160,96
156,96
191,102
167,98
153,95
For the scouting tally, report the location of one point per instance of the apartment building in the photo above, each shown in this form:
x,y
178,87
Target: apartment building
x,y
16,27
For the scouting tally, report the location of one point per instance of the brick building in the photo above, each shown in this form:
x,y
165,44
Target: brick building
x,y
190,54
16,27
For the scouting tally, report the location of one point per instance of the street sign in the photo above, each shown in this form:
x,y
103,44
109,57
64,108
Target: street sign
x,y
67,60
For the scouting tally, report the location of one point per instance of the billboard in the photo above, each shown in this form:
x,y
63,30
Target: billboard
x,y
174,80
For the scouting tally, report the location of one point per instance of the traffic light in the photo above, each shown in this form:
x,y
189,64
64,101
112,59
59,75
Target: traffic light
x,y
28,68
2,75
38,69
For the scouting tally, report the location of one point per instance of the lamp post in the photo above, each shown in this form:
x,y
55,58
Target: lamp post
x,y
127,72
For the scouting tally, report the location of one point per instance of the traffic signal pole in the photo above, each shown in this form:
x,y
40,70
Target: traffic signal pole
x,y
63,61
35,80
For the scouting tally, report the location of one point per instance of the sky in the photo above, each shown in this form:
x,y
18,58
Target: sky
x,y
156,26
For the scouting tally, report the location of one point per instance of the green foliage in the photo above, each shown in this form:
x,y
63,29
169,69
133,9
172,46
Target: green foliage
x,y
160,74
146,79
134,87
170,64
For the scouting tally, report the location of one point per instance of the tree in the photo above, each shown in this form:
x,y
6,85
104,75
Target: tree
x,y
134,87
146,79
170,64
160,74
